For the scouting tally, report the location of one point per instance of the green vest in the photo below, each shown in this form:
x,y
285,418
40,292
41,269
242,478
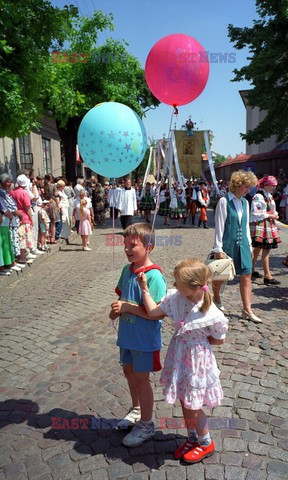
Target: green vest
x,y
235,240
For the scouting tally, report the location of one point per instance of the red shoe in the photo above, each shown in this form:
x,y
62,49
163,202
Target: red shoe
x,y
199,453
184,448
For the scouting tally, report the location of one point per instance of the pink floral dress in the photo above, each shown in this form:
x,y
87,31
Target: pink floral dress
x,y
190,371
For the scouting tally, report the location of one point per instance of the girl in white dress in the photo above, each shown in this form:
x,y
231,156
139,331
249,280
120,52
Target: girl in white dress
x,y
190,372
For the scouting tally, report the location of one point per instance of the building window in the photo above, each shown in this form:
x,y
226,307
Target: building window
x,y
26,157
46,155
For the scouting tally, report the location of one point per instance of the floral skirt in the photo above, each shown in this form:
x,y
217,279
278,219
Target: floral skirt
x,y
15,241
26,237
190,374
265,234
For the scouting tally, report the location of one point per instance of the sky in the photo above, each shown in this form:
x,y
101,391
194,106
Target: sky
x,y
141,23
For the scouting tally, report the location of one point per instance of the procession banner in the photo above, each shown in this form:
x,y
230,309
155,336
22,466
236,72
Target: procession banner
x,y
189,151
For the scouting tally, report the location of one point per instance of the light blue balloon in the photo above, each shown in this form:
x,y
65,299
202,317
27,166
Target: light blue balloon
x,y
112,139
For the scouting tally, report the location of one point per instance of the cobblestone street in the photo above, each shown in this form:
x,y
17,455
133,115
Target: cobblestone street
x,y
59,359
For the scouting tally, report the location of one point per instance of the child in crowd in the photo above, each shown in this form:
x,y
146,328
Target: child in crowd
x,y
85,225
54,217
177,205
147,201
44,223
139,336
190,372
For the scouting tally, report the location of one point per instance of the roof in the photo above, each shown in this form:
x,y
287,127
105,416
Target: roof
x,y
243,158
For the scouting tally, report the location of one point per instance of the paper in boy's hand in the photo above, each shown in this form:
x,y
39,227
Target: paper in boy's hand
x,y
142,280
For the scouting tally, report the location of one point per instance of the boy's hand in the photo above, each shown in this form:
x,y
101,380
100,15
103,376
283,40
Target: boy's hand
x,y
119,307
142,280
113,315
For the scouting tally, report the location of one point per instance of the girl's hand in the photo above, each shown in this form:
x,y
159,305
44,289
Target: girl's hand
x,y
9,214
274,216
214,341
142,280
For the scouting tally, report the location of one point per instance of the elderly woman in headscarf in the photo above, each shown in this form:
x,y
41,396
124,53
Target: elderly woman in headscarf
x,y
264,231
9,204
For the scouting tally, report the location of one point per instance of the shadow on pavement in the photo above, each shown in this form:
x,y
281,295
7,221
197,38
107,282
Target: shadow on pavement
x,y
92,435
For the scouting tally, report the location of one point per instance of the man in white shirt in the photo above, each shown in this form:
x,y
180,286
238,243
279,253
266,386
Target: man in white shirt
x,y
113,199
78,187
127,204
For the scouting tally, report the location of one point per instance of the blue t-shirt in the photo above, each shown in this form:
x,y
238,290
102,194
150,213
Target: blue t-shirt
x,y
138,333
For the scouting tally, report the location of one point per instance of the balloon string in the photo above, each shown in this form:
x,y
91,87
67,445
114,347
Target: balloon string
x,y
113,225
158,185
113,323
173,112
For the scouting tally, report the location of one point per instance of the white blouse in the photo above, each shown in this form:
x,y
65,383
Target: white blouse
x,y
221,216
259,207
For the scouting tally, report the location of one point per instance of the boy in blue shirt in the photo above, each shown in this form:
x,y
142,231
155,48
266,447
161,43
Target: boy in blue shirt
x,y
139,336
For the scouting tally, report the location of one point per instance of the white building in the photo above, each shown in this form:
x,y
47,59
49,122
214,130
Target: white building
x,y
253,117
40,151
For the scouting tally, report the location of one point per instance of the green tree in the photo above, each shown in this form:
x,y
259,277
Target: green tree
x,y
77,83
28,29
219,158
267,71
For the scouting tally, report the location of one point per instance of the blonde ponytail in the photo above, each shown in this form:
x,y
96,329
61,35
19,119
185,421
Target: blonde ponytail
x,y
206,303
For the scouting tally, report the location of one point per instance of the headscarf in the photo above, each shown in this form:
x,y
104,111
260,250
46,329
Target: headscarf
x,y
267,180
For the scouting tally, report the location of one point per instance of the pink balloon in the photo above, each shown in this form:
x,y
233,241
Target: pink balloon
x,y
177,69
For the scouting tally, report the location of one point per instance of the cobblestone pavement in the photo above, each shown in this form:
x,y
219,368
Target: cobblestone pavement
x,y
58,359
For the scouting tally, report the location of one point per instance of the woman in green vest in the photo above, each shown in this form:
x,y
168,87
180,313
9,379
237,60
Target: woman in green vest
x,y
232,236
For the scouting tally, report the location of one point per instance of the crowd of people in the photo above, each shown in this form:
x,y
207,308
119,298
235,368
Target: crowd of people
x,y
38,211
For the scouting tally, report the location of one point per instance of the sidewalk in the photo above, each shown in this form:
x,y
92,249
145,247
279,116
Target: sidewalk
x,y
59,360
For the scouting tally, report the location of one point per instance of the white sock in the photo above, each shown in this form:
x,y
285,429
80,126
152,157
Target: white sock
x,y
147,422
205,439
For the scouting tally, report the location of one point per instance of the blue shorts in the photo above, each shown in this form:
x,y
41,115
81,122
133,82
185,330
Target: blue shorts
x,y
141,361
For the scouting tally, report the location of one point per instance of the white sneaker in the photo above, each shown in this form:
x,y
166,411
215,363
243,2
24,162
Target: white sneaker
x,y
21,265
29,262
139,434
30,256
132,417
37,252
5,273
16,269
87,249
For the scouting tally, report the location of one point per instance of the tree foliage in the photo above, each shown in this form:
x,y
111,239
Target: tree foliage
x,y
36,80
78,82
219,158
267,71
28,29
